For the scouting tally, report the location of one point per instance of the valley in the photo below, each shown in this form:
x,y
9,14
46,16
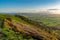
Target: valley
x,y
25,27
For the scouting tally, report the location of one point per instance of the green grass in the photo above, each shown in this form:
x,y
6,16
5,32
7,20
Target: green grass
x,y
10,34
50,21
16,19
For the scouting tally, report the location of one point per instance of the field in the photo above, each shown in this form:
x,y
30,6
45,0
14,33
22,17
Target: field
x,y
47,19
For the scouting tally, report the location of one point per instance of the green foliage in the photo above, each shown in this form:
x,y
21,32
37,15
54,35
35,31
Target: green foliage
x,y
12,35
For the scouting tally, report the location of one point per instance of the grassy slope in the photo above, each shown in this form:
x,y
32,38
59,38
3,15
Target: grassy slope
x,y
5,30
10,34
53,20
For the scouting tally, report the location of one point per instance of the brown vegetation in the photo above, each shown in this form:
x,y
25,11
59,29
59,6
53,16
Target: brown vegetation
x,y
27,30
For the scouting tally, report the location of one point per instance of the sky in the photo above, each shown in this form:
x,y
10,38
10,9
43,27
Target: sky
x,y
28,5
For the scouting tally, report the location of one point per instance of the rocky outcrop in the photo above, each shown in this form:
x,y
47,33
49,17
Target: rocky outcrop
x,y
29,30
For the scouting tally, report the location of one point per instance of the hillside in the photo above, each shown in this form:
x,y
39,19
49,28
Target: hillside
x,y
21,28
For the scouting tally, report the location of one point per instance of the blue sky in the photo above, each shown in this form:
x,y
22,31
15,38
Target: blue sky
x,y
15,5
